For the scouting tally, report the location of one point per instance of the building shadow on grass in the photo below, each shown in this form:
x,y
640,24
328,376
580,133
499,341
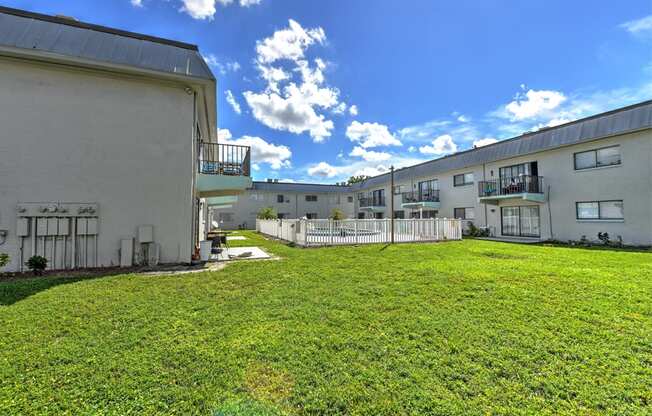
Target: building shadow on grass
x,y
16,287
13,291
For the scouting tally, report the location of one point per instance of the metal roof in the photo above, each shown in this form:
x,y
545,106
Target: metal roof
x,y
612,123
70,38
299,187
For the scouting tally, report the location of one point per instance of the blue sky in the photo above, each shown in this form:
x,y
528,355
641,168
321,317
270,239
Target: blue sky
x,y
323,90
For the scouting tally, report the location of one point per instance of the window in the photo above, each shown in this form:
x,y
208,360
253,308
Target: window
x,y
399,215
428,190
520,221
280,198
225,217
464,213
311,198
515,171
361,215
425,214
607,156
311,215
463,179
281,216
600,210
379,215
349,199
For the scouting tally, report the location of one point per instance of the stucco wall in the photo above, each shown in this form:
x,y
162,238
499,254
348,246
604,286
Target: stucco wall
x,y
126,144
631,182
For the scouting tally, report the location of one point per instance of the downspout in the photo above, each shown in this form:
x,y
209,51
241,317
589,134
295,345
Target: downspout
x,y
195,169
552,235
484,178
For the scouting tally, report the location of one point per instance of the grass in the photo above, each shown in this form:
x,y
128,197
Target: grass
x,y
472,327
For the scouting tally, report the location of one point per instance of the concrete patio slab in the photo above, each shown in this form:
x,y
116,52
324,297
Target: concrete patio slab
x,y
241,253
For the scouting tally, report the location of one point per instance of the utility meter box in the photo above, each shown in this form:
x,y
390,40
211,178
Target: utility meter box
x,y
145,234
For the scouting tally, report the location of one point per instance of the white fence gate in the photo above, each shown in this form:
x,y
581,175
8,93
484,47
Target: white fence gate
x,y
342,232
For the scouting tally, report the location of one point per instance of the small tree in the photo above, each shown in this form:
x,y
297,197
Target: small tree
x,y
267,213
357,179
37,264
4,259
337,214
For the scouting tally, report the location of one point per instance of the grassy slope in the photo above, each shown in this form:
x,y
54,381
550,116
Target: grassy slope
x,y
457,328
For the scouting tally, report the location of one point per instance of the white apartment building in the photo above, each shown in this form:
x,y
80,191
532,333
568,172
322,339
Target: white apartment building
x,y
578,179
108,146
289,200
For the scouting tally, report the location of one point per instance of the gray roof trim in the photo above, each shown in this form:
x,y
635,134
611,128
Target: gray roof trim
x,y
600,126
64,37
299,187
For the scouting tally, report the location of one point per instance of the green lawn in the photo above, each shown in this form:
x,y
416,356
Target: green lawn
x,y
468,327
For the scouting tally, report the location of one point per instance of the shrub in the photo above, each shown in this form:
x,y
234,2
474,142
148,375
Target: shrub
x,y
4,259
267,213
476,231
337,214
604,237
37,264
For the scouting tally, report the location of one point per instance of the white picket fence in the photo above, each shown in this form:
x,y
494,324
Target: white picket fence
x,y
342,232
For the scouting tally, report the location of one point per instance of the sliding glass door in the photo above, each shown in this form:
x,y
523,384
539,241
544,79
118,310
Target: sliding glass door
x,y
521,221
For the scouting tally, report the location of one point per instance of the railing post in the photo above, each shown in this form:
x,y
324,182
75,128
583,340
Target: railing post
x,y
355,231
330,226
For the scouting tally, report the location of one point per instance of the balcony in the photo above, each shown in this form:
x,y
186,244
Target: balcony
x,y
223,169
376,203
421,199
526,187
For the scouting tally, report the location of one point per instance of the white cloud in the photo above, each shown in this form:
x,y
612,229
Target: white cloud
x,y
349,168
576,105
137,3
423,132
273,76
442,145
255,166
340,108
223,134
371,135
323,170
294,114
639,26
288,103
353,110
232,101
369,155
288,43
484,142
205,9
222,67
276,156
199,9
534,104
463,119
326,170
412,149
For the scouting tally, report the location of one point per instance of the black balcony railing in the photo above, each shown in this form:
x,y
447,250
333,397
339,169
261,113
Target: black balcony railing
x,y
420,196
510,186
377,201
224,159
